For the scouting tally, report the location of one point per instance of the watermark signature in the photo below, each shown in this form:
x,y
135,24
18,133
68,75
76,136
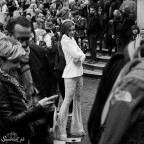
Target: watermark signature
x,y
13,137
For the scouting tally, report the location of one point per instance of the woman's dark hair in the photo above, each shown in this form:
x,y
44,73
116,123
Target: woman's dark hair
x,y
21,20
64,28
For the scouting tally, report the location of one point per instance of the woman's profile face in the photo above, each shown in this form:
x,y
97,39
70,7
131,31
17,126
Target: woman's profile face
x,y
12,64
71,31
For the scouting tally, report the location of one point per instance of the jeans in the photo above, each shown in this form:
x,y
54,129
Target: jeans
x,y
92,41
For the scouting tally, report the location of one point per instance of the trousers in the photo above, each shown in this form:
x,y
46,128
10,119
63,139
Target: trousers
x,y
92,45
73,91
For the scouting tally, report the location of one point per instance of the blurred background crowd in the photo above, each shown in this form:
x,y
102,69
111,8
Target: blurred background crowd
x,y
104,23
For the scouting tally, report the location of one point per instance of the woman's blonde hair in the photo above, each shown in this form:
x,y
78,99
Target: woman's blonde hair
x,y
10,48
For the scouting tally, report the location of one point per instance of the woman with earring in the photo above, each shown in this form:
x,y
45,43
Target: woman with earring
x,y
73,83
17,117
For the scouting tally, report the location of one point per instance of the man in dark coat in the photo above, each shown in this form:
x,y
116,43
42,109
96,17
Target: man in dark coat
x,y
40,69
20,29
92,28
123,29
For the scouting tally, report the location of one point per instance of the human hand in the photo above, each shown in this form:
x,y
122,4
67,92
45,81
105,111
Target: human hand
x,y
48,103
113,36
75,61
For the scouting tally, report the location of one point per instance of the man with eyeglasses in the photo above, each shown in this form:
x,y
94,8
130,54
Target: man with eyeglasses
x,y
38,71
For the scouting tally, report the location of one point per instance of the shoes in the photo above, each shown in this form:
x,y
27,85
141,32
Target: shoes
x,y
99,54
63,137
88,61
70,114
93,62
79,133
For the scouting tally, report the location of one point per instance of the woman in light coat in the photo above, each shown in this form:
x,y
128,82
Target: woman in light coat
x,y
73,82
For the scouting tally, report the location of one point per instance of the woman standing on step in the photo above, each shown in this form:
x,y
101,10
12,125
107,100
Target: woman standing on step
x,y
73,82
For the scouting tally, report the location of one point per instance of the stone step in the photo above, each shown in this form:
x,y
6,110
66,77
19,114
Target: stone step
x,y
95,70
94,67
94,74
105,50
101,58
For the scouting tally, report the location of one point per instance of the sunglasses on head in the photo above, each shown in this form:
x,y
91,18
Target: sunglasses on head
x,y
15,61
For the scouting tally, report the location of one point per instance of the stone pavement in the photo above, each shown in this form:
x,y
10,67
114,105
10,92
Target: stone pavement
x,y
90,88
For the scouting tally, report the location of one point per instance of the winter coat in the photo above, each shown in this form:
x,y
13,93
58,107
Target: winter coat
x,y
14,116
41,70
93,25
109,31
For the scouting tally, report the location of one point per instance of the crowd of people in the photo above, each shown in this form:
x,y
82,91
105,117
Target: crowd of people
x,y
42,50
101,23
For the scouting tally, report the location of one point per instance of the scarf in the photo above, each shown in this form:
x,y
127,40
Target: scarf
x,y
27,82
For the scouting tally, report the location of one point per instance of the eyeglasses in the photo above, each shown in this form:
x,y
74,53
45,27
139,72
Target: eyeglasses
x,y
23,39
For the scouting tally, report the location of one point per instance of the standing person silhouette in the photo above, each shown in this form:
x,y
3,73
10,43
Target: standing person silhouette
x,y
73,82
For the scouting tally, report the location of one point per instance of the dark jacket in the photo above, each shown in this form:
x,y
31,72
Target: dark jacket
x,y
93,25
110,74
109,31
41,70
14,117
124,26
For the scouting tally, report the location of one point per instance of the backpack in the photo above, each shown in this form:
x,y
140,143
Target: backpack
x,y
132,72
125,72
134,50
60,62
